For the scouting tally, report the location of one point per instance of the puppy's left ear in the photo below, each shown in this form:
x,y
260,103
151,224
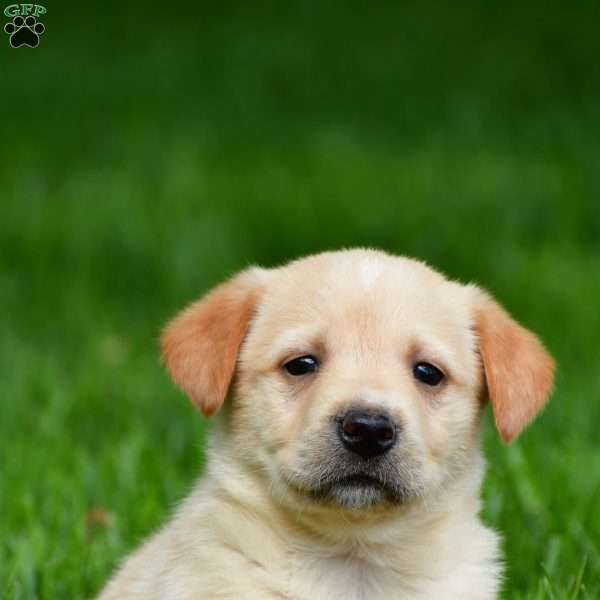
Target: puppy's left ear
x,y
200,345
519,372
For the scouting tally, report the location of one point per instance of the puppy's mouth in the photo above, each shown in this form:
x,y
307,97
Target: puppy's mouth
x,y
328,475
358,491
360,480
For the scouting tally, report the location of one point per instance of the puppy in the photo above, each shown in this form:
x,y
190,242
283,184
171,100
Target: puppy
x,y
346,461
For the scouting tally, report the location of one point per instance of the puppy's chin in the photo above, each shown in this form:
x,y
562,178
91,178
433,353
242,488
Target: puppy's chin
x,y
359,492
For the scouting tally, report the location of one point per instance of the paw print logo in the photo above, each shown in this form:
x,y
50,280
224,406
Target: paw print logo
x,y
24,31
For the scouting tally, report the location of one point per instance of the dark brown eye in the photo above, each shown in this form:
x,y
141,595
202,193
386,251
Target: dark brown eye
x,y
302,365
427,374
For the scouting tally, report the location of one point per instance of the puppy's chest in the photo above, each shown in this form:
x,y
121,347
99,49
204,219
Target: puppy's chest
x,y
355,577
347,577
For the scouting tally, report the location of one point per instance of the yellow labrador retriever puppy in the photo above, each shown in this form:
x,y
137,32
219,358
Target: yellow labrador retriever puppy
x,y
346,461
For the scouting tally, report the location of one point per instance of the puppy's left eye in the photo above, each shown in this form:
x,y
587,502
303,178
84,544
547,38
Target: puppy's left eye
x,y
302,365
427,374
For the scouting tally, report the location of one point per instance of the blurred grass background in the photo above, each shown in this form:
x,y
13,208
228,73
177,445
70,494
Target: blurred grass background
x,y
147,152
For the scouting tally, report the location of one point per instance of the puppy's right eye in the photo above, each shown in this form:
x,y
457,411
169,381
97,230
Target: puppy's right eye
x,y
303,365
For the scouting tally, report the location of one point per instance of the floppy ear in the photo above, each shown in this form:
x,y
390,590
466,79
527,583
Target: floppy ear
x,y
519,372
200,345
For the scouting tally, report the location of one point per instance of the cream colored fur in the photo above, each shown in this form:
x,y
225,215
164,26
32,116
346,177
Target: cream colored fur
x,y
251,529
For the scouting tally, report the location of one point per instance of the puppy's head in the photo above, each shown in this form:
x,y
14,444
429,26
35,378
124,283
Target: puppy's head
x,y
357,378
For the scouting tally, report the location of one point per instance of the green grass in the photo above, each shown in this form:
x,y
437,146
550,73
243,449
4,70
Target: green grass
x,y
147,154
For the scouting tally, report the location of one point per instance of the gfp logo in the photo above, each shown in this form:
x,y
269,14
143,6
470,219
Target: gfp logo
x,y
24,29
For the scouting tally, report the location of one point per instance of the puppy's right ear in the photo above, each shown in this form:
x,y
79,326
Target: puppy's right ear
x,y
200,345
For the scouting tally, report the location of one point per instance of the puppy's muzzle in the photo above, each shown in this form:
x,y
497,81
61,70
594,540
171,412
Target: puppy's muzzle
x,y
367,433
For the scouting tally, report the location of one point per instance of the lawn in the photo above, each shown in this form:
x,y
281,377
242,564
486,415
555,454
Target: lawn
x,y
148,152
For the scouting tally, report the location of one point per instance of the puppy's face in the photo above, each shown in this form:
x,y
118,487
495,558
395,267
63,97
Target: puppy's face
x,y
359,376
359,380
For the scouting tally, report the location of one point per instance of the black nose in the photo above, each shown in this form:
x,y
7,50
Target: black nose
x,y
367,434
